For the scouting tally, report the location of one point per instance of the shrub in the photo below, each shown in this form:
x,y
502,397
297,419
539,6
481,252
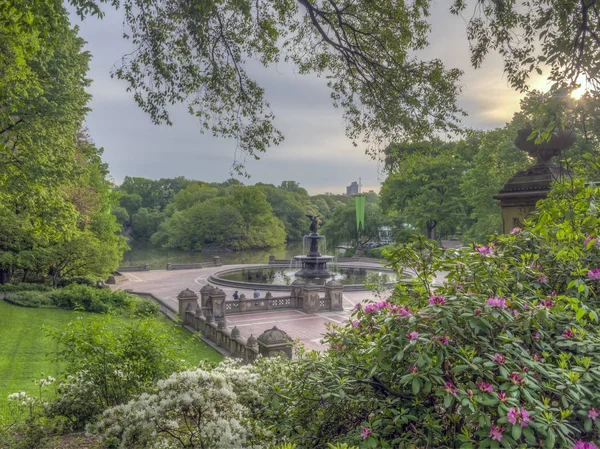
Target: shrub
x,y
79,280
107,366
203,408
505,353
24,287
30,299
100,300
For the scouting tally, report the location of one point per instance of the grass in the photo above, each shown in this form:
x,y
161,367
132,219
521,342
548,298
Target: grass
x,y
26,351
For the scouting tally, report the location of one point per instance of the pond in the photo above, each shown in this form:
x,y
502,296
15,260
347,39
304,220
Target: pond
x,y
158,258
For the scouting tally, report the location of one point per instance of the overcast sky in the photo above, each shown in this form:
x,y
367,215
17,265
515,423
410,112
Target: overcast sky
x,y
315,152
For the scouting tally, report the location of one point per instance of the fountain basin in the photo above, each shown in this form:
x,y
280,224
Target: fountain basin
x,y
280,277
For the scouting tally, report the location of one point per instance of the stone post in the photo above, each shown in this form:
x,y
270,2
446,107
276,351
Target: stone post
x,y
268,300
243,302
206,303
217,297
310,298
274,341
297,287
334,291
217,261
188,301
271,259
520,194
233,342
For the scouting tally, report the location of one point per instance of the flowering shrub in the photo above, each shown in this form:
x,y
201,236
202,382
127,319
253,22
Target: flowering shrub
x,y
505,353
202,408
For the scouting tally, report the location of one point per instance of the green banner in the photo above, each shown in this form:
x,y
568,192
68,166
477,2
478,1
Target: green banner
x,y
360,212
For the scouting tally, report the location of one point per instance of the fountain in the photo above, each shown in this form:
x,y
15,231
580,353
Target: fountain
x,y
314,264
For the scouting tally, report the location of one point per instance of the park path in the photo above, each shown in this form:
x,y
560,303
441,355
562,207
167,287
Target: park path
x,y
308,328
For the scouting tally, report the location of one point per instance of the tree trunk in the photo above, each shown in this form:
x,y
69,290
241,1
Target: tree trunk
x,y
5,275
431,225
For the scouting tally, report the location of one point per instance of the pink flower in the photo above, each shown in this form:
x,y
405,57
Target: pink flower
x,y
536,335
516,379
476,312
568,334
403,311
541,279
594,274
413,369
496,433
502,396
469,393
357,306
485,250
485,387
537,357
584,445
518,415
499,359
588,239
355,323
413,335
546,303
515,312
442,339
515,231
449,388
593,414
497,302
459,287
437,300
365,433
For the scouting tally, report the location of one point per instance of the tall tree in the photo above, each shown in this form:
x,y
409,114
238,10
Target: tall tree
x,y
423,186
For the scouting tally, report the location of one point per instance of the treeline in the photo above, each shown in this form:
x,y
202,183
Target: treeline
x,y
441,188
191,215
55,197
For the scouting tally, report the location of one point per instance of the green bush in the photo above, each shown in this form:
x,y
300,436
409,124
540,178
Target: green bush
x,y
24,287
30,299
108,365
100,300
79,280
377,252
505,353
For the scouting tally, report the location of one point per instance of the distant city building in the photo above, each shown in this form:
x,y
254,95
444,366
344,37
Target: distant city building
x,y
352,189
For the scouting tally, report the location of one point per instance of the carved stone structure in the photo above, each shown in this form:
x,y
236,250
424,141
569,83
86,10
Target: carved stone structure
x,y
274,341
188,302
314,264
519,196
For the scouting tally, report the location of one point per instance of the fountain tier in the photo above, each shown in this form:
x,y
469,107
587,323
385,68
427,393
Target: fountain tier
x,y
314,264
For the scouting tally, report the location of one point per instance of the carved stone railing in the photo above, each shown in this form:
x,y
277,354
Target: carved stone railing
x,y
269,302
228,339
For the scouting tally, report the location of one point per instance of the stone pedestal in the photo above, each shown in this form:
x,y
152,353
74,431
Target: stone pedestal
x,y
334,291
217,298
274,341
310,298
519,196
217,261
188,301
205,302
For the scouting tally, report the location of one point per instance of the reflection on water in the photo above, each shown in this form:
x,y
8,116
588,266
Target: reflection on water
x,y
158,258
285,276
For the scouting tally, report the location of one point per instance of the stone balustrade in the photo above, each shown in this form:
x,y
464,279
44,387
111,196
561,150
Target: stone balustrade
x,y
134,268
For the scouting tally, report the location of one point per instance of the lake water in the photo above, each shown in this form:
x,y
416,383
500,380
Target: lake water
x,y
158,258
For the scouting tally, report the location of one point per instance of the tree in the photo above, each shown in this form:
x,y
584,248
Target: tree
x,y
38,144
340,227
131,202
423,186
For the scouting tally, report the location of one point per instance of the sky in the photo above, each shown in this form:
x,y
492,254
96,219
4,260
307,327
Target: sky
x,y
315,153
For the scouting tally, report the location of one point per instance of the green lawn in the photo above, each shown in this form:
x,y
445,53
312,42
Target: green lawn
x,y
26,351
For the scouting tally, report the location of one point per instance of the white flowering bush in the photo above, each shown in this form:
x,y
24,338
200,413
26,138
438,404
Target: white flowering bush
x,y
215,408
